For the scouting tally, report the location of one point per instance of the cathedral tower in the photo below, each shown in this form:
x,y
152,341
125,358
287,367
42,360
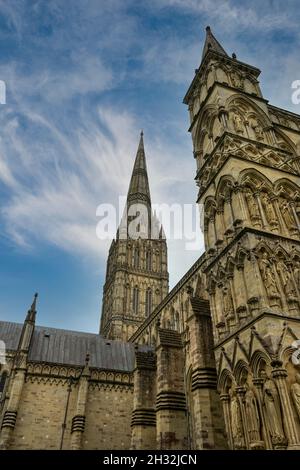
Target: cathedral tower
x,y
248,166
137,272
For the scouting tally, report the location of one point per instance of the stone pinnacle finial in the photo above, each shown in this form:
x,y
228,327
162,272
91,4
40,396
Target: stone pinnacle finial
x,y
32,311
211,43
33,305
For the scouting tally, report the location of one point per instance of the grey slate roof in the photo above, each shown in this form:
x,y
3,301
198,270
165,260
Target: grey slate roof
x,y
70,347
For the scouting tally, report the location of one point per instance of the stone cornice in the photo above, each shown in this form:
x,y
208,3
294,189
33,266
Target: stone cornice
x,y
211,54
247,325
228,87
244,139
238,236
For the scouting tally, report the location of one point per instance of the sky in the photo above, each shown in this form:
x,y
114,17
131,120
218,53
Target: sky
x,y
83,77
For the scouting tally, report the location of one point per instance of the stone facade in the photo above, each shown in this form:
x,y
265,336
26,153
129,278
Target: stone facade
x,y
213,364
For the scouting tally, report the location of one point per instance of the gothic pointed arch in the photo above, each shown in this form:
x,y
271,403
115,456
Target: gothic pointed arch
x,y
240,372
246,106
254,179
259,361
225,381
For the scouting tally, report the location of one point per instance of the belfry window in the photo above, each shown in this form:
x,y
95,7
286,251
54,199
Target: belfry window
x,y
135,301
136,260
148,260
148,303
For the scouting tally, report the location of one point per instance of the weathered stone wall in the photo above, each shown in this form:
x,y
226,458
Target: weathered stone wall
x,y
47,402
108,417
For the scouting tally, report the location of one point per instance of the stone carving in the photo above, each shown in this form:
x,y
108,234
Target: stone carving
x,y
228,303
287,216
252,205
297,273
269,209
236,421
238,123
236,79
268,276
252,415
257,128
298,148
271,404
295,392
286,278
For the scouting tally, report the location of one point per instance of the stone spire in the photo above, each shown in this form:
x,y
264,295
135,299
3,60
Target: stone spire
x,y
212,43
139,191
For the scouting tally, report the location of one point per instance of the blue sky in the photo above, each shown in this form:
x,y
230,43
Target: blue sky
x,y
83,77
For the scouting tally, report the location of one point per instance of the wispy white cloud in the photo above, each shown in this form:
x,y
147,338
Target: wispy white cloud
x,y
67,142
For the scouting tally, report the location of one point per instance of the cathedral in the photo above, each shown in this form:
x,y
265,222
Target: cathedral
x,y
213,363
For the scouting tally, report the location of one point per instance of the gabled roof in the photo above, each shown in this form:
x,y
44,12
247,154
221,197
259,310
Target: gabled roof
x,y
69,347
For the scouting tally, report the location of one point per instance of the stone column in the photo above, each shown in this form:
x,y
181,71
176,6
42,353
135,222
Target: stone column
x,y
228,218
279,374
225,400
171,419
209,426
239,205
10,415
219,227
78,420
240,391
259,383
143,423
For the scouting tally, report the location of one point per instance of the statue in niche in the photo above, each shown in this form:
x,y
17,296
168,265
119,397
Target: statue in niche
x,y
268,276
298,148
297,273
286,278
252,415
236,421
295,392
236,79
252,205
228,303
268,206
257,128
238,123
271,404
286,214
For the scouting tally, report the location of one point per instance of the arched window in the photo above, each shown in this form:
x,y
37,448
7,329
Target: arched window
x,y
135,300
149,260
148,302
136,260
